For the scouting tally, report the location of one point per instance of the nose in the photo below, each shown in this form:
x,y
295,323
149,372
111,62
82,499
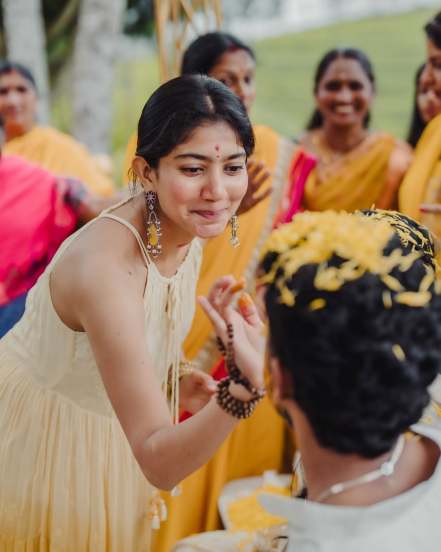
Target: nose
x,y
344,94
240,89
214,189
427,77
12,98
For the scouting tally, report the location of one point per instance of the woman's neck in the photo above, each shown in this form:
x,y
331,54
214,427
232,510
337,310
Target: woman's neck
x,y
14,130
174,242
342,139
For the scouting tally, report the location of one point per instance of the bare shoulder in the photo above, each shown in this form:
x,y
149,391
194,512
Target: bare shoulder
x,y
104,259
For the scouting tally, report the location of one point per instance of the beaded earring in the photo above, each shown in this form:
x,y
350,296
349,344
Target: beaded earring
x,y
234,240
153,225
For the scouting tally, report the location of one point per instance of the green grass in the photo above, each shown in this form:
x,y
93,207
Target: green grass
x,y
286,66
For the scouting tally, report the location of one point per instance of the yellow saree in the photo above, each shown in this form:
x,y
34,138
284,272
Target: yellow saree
x,y
257,444
422,183
62,155
354,181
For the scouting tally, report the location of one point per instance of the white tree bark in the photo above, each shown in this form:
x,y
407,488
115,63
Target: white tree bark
x,y
99,27
26,43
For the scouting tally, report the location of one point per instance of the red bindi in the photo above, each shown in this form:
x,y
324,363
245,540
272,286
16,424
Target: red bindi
x,y
217,149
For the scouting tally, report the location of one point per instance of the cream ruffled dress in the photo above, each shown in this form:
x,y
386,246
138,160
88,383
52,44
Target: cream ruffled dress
x,y
68,479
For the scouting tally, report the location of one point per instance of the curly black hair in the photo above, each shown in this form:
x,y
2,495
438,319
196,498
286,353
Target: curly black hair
x,y
358,394
413,235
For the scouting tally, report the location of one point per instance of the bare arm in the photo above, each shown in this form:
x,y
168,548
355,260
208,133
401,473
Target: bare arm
x,y
399,162
110,309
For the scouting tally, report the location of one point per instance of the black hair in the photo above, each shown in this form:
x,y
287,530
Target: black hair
x,y
417,125
356,392
413,235
204,52
433,30
7,67
316,119
182,104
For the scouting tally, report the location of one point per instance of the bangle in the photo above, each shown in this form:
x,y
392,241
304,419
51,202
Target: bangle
x,y
185,369
235,407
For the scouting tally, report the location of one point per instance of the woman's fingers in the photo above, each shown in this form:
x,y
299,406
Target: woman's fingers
x,y
434,208
214,316
249,310
219,287
205,381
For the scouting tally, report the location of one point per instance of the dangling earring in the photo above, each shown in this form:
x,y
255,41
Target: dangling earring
x,y
153,225
234,240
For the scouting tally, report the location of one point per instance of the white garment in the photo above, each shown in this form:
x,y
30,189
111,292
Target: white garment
x,y
409,522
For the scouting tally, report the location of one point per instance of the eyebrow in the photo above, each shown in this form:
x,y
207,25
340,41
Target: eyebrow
x,y
205,158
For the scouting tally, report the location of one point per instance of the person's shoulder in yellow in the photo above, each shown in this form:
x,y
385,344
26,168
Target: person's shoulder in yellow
x,y
47,147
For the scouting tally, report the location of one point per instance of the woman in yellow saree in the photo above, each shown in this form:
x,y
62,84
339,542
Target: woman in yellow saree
x,y
44,146
420,194
356,168
227,59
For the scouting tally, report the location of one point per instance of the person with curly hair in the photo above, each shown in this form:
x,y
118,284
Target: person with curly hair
x,y
354,345
420,192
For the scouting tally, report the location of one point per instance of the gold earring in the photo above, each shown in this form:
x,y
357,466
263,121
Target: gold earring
x,y
153,225
234,240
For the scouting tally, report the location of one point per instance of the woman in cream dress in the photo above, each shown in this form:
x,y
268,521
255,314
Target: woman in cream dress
x,y
85,430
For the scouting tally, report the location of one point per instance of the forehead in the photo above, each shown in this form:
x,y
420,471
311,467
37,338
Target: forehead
x,y
13,78
210,137
236,61
345,69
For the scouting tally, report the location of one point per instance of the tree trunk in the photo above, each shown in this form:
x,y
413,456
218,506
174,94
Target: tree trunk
x,y
26,43
99,27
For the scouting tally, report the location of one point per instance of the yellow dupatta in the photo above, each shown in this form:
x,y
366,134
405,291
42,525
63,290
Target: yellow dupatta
x,y
60,154
353,181
422,183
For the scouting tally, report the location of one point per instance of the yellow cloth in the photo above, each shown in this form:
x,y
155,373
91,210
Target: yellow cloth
x,y
257,444
62,155
128,157
422,183
69,480
351,182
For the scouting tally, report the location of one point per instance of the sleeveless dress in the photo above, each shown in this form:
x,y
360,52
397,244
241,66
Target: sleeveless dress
x,y
68,479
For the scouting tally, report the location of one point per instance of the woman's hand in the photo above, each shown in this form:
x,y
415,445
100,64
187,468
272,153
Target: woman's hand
x,y
431,208
258,174
248,340
195,390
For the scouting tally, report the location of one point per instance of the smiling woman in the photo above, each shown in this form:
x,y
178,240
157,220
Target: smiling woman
x,y
91,364
45,146
356,167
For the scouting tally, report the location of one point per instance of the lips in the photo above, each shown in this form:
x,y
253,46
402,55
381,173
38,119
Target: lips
x,y
210,214
344,109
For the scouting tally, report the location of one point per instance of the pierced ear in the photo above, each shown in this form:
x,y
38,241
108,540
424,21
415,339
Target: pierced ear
x,y
143,170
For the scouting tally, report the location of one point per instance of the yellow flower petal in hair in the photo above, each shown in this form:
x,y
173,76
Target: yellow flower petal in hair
x,y
413,298
287,297
428,280
398,352
392,283
344,247
387,299
317,304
